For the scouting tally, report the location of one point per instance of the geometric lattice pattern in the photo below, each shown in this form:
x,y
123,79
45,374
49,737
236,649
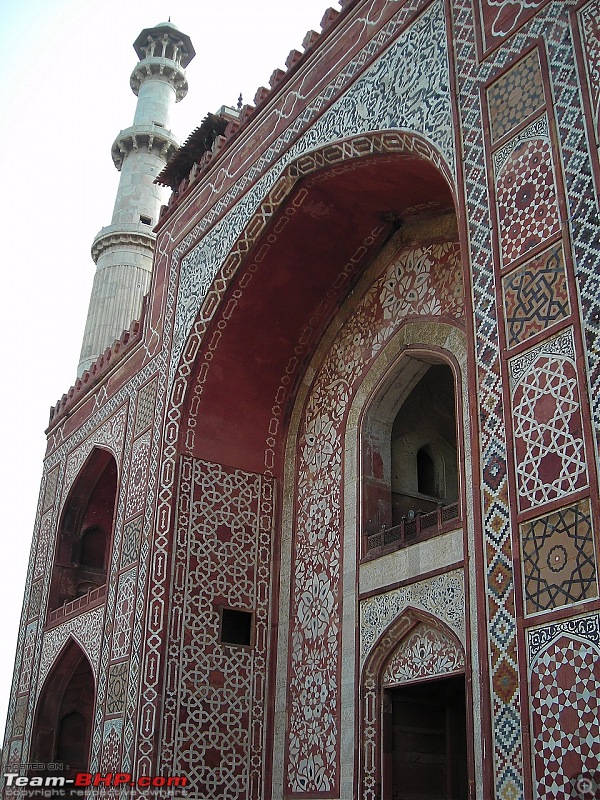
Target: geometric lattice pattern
x,y
225,537
549,449
145,406
565,697
516,95
526,197
535,296
124,607
50,490
35,599
132,532
139,475
117,687
425,653
559,563
20,716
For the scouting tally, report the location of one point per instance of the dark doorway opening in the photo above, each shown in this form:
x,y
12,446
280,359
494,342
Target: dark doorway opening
x,y
425,742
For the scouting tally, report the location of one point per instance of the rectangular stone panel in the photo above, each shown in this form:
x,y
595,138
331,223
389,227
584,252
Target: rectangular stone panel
x,y
559,562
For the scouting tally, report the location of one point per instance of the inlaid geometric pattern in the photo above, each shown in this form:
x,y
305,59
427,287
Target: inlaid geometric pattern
x,y
559,563
43,546
526,199
136,494
118,675
123,614
549,450
111,753
20,716
425,653
590,35
35,599
224,560
50,490
28,649
516,95
535,296
132,532
145,406
565,697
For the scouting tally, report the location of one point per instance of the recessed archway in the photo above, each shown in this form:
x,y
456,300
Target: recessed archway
x,y
413,704
299,256
64,712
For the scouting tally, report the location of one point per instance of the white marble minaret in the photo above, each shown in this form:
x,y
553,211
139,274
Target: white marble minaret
x,y
123,250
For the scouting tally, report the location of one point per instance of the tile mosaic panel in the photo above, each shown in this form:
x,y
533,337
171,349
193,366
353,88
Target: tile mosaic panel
x,y
111,751
516,95
86,629
35,599
19,717
549,450
535,296
525,192
590,35
559,563
564,699
442,596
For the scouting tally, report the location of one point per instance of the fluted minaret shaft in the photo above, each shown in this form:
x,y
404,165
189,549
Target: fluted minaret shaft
x,y
123,251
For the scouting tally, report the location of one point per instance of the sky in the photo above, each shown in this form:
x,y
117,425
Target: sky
x,y
64,96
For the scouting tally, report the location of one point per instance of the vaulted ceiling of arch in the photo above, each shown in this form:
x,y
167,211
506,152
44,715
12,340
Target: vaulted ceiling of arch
x,y
281,300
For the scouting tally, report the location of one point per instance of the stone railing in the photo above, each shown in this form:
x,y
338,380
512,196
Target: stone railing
x,y
416,528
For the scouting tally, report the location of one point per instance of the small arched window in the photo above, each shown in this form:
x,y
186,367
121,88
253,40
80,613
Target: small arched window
x,y
410,468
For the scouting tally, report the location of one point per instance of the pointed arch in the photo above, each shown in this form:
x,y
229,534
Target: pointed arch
x,y
85,531
324,219
64,711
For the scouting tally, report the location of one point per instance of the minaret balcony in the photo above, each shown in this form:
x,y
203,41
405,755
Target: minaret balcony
x,y
152,137
134,235
163,69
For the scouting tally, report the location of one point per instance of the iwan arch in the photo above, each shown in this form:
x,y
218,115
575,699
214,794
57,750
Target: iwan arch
x,y
352,548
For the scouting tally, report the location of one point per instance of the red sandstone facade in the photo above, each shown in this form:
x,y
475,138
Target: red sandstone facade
x,y
330,512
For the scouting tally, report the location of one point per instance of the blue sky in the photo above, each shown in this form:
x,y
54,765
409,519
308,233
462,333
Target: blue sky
x,y
64,94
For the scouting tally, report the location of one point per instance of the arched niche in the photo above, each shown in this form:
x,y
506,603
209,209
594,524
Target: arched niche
x,y
85,531
64,712
410,474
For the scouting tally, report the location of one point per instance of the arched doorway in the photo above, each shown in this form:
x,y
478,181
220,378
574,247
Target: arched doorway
x,y
414,732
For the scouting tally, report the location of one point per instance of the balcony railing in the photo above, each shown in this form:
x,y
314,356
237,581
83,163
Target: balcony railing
x,y
416,528
79,603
